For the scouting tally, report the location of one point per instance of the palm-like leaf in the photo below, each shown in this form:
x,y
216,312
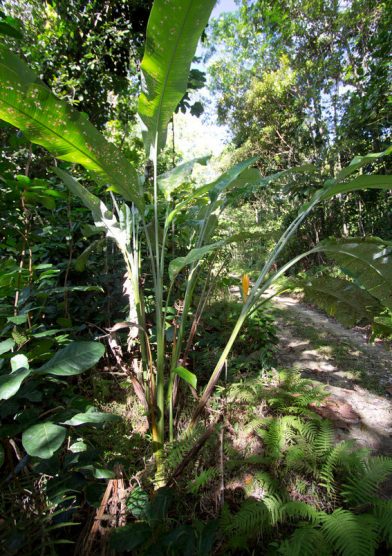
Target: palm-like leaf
x,y
28,104
373,181
342,299
171,180
358,162
368,260
173,30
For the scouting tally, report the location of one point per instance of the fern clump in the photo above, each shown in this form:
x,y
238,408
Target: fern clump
x,y
308,494
362,485
203,479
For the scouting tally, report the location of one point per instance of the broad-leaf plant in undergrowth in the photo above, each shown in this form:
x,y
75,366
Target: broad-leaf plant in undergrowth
x,y
145,212
24,391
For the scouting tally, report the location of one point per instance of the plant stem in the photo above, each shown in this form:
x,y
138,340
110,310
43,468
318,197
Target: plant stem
x,y
160,331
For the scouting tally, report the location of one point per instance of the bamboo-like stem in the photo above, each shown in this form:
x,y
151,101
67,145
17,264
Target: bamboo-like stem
x,y
210,284
159,432
190,287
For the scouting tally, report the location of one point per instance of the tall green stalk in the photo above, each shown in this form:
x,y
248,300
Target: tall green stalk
x,y
160,328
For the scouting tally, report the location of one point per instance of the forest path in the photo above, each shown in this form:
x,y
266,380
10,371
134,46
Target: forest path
x,y
357,375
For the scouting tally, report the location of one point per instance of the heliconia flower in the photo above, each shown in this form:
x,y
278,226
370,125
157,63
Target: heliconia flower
x,y
245,286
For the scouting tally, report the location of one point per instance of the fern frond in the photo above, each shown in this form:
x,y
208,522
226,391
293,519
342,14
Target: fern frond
x,y
253,518
280,433
363,486
310,430
230,451
176,451
301,457
323,440
266,482
273,438
338,457
249,391
382,511
256,423
305,541
274,505
205,477
303,412
295,510
349,534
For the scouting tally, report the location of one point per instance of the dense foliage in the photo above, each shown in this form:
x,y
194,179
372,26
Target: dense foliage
x,y
300,82
137,382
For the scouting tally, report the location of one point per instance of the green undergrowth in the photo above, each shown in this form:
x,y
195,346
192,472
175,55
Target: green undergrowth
x,y
254,348
270,480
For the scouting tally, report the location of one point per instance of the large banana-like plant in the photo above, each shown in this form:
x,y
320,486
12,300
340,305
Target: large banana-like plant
x,y
173,31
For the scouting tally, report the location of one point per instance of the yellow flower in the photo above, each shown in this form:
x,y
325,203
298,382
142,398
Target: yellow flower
x,y
245,286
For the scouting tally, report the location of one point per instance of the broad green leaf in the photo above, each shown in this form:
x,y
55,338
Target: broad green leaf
x,y
11,27
194,255
357,184
214,188
228,178
10,384
367,260
91,201
137,502
129,537
75,289
73,359
212,223
81,261
91,417
173,31
45,333
17,319
342,300
19,361
169,181
78,447
250,179
384,322
28,104
358,162
43,440
97,472
6,345
186,375
102,216
100,473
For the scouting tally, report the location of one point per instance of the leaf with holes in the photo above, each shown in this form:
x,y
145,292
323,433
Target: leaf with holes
x,y
342,300
367,260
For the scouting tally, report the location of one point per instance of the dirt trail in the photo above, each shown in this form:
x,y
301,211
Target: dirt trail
x,y
353,371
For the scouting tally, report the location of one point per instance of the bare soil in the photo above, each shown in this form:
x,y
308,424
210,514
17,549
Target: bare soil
x,y
357,375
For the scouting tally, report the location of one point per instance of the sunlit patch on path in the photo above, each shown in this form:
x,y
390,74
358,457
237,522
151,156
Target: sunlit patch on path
x,y
356,374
